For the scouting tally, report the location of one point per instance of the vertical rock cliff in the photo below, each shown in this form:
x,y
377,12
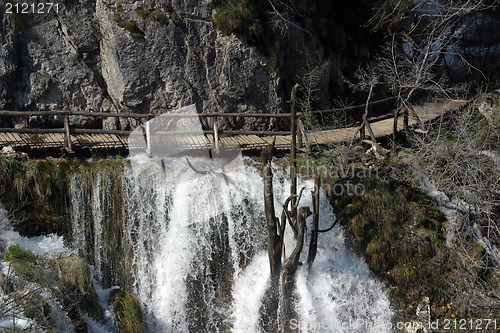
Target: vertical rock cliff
x,y
142,56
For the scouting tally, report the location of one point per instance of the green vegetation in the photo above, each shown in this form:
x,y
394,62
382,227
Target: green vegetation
x,y
389,15
29,272
173,15
248,20
36,192
117,17
141,12
334,25
304,161
131,26
412,255
17,253
76,284
157,15
24,263
128,313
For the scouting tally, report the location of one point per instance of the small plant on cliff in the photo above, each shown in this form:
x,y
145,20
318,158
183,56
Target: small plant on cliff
x,y
157,15
141,12
248,20
173,15
131,26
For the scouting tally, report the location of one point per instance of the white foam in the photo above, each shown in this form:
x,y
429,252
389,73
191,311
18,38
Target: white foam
x,y
38,245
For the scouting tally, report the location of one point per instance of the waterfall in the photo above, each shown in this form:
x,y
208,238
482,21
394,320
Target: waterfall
x,y
193,241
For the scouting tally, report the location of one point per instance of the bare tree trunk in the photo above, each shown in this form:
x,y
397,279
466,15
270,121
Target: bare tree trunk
x,y
313,245
269,310
274,239
290,268
365,114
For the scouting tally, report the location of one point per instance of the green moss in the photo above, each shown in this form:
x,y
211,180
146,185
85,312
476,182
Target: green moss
x,y
157,15
356,208
311,161
439,241
175,18
480,251
17,253
128,313
141,12
421,219
24,263
389,159
131,26
248,20
29,272
76,283
411,257
409,270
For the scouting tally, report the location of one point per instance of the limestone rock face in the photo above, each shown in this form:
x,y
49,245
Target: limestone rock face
x,y
123,56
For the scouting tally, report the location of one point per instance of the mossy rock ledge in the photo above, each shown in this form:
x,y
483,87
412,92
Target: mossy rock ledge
x,y
76,284
129,317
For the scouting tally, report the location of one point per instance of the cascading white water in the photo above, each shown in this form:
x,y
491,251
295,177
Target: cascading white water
x,y
199,257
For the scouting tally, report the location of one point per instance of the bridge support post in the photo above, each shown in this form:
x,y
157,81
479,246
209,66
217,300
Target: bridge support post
x,y
302,138
67,136
216,135
148,139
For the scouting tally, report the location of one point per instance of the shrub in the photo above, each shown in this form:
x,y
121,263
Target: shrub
x,y
141,12
117,17
18,253
175,18
248,20
131,26
29,272
157,15
421,219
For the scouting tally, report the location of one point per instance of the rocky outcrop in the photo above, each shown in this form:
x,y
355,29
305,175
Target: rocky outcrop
x,y
115,56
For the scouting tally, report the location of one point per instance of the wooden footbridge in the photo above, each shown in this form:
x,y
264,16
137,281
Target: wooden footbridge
x,y
73,139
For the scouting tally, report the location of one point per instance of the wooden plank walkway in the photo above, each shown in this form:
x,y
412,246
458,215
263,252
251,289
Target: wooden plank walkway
x,y
47,141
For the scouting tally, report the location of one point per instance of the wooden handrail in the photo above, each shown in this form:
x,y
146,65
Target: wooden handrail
x,y
7,113
354,107
122,132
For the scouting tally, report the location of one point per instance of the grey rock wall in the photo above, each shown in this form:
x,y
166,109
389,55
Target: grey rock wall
x,y
104,56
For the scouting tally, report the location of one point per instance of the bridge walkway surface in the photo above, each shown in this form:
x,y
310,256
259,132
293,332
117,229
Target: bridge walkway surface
x,y
38,140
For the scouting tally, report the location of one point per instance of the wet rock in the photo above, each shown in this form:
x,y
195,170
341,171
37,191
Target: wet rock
x,y
128,313
74,281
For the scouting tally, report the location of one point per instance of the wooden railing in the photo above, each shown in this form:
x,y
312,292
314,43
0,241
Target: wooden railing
x,y
296,124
